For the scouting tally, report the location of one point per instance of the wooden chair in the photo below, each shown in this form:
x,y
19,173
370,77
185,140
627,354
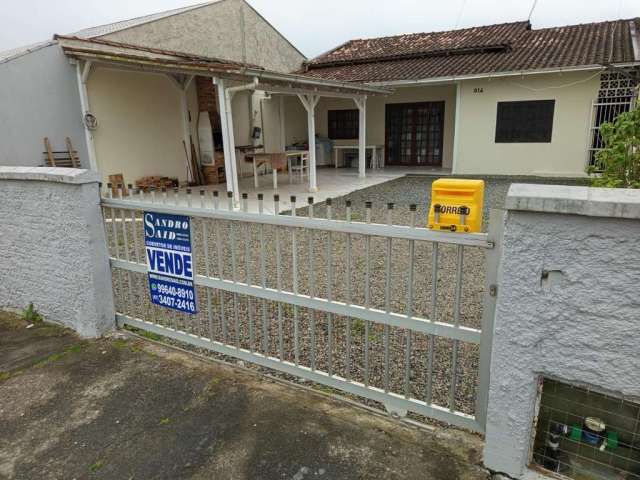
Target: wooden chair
x,y
299,164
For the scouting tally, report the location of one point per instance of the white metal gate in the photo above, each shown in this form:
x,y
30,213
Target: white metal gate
x,y
397,314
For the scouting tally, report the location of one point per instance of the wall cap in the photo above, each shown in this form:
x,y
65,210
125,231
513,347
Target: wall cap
x,y
575,200
49,174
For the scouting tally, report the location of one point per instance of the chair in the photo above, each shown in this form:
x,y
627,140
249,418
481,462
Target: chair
x,y
299,163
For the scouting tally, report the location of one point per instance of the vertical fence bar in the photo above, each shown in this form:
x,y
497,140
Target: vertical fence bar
x,y
329,289
207,265
407,353
174,314
294,252
127,256
387,300
456,321
249,280
234,271
219,244
276,210
492,260
367,292
263,279
434,318
312,292
349,294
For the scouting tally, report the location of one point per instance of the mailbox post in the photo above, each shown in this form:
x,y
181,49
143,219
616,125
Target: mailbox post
x,y
456,205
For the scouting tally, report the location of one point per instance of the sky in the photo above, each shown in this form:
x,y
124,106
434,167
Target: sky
x,y
313,26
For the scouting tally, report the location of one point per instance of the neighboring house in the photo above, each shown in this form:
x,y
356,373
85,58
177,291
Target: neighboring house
x,y
499,99
142,96
143,114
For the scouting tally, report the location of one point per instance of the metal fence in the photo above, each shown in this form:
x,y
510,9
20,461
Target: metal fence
x,y
395,314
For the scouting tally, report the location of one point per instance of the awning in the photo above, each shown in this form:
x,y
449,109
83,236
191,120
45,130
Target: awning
x,y
152,59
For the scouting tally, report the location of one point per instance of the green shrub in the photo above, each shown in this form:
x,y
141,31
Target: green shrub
x,y
617,165
30,314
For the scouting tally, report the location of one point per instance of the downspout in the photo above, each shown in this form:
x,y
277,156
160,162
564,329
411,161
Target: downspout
x,y
82,75
228,96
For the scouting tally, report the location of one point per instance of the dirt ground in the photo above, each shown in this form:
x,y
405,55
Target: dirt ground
x,y
126,408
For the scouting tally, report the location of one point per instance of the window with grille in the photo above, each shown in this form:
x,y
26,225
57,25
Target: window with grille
x,y
615,96
344,124
525,122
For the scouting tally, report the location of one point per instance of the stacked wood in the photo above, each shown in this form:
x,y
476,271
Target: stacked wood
x,y
65,158
156,182
213,174
117,180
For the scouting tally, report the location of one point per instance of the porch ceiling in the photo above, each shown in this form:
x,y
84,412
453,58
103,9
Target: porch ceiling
x,y
151,59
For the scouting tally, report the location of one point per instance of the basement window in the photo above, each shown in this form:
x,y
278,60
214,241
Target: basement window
x,y
586,435
344,124
525,122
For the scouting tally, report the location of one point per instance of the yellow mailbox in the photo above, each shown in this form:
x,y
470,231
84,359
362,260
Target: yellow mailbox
x,y
456,205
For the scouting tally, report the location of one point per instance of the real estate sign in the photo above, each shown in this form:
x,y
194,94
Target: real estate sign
x,y
167,240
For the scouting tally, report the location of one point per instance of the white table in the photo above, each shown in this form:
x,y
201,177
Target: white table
x,y
377,154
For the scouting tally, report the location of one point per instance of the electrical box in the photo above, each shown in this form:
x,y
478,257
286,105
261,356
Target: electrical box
x,y
456,205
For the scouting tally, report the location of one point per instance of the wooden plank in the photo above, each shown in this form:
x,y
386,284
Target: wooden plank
x,y
47,146
73,155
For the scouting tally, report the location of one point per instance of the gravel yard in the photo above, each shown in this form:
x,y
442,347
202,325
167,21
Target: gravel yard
x,y
322,339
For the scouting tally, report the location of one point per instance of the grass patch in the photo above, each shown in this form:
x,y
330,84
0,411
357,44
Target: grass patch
x,y
94,467
144,333
54,357
30,314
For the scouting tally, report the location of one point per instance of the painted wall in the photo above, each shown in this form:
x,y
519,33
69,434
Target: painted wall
x,y
39,98
52,247
565,155
215,31
140,127
578,323
296,118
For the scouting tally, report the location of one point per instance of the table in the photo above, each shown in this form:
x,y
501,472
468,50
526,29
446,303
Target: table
x,y
377,154
275,160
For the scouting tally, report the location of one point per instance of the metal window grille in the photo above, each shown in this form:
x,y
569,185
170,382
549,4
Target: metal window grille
x,y
585,434
617,94
381,311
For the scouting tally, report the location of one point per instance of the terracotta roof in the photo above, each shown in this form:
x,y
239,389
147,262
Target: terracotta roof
x,y
508,47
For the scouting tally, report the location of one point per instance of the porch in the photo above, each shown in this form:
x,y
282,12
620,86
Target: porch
x,y
333,182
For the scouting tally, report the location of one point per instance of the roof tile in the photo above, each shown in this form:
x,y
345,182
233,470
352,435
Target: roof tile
x,y
508,47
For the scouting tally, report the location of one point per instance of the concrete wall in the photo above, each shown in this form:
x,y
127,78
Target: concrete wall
x,y
567,306
215,31
565,155
39,98
52,247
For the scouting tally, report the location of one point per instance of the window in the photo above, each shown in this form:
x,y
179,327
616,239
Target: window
x,y
343,124
525,122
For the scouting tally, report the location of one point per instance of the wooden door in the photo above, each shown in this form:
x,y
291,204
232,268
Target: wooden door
x,y
414,133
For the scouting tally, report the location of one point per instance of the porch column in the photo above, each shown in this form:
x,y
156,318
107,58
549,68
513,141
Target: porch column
x,y
82,75
227,137
310,102
362,135
186,130
283,133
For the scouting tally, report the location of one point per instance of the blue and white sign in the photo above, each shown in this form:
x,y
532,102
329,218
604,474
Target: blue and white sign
x,y
167,239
